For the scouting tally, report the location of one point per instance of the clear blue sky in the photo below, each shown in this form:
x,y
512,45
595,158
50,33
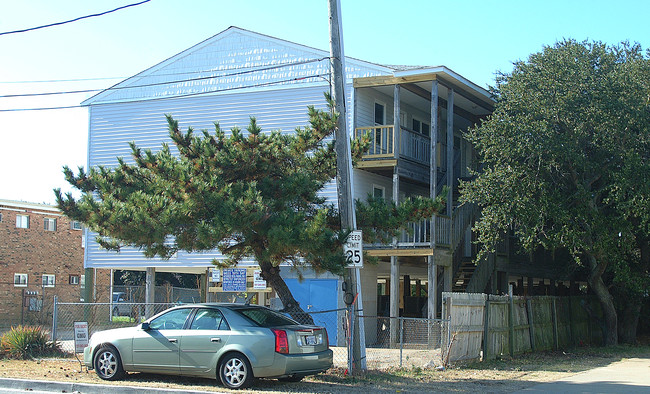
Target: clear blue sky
x,y
475,38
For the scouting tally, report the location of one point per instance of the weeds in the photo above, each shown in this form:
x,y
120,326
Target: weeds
x,y
26,342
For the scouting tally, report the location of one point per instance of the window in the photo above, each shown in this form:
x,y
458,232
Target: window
x,y
75,225
209,319
265,317
20,280
22,221
380,119
421,127
49,224
380,114
82,281
47,280
378,191
416,125
73,279
172,320
426,129
0,218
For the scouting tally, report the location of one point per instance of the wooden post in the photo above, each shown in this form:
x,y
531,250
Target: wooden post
x,y
511,323
554,317
450,155
486,329
394,299
407,288
432,269
531,325
344,168
150,291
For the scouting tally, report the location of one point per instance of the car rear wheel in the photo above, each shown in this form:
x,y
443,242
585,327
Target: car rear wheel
x,y
235,371
108,364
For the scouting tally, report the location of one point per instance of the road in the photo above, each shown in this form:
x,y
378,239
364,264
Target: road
x,y
626,376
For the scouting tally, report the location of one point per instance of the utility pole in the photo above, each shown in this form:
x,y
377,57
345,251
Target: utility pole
x,y
357,360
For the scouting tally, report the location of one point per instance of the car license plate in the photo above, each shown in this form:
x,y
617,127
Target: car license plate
x,y
310,340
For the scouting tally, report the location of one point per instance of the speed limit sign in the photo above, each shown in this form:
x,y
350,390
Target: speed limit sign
x,y
353,249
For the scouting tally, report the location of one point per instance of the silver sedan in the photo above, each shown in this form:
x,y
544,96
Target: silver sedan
x,y
231,342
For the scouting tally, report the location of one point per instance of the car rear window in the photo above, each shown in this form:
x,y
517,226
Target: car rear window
x,y
265,317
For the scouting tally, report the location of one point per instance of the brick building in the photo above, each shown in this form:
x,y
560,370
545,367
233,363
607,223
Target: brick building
x,y
41,255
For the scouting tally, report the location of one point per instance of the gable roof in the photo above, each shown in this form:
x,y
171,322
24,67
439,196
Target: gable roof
x,y
232,59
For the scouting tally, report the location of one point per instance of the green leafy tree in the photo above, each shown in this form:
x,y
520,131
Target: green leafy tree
x,y
249,194
566,159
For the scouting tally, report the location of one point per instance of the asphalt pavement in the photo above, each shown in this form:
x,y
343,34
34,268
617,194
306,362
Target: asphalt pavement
x,y
626,376
48,386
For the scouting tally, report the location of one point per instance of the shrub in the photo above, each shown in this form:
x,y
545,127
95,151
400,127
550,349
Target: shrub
x,y
28,342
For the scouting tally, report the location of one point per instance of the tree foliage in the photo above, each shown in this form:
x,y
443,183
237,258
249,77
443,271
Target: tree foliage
x,y
248,194
566,156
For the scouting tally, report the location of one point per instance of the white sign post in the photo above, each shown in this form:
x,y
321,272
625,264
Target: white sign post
x,y
80,336
258,282
353,249
215,275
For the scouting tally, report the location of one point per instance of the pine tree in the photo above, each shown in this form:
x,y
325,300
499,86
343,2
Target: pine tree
x,y
246,194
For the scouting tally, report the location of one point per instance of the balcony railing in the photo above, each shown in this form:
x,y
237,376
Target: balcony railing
x,y
382,140
449,231
415,146
412,145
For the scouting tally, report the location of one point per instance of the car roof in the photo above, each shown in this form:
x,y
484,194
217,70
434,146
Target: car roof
x,y
222,305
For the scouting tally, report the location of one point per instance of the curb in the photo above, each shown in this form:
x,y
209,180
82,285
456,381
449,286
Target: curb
x,y
64,387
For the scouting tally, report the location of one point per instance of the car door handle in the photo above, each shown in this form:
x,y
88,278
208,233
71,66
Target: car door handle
x,y
215,339
173,340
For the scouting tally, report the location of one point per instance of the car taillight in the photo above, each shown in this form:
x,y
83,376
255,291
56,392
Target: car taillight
x,y
281,342
327,339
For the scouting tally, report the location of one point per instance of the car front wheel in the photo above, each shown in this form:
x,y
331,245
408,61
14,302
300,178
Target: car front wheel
x,y
108,364
235,371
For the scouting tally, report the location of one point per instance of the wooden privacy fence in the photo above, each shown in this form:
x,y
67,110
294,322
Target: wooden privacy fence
x,y
490,325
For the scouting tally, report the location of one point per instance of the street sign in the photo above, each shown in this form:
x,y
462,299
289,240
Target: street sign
x,y
353,249
80,336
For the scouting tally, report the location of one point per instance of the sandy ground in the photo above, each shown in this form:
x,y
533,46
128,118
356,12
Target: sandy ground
x,y
499,376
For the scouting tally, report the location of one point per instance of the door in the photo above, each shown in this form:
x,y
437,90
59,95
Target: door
x,y
157,349
316,295
202,341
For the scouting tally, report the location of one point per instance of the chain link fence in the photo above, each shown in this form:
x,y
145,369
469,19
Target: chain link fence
x,y
403,341
162,294
390,342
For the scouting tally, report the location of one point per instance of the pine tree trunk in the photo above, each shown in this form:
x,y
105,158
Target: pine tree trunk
x,y
271,275
606,301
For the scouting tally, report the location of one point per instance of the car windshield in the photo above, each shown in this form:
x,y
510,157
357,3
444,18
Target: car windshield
x,y
265,317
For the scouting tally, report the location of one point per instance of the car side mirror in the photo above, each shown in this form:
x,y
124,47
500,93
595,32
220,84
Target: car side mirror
x,y
145,326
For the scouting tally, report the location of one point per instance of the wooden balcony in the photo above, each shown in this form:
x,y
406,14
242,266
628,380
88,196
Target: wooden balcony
x,y
449,232
386,147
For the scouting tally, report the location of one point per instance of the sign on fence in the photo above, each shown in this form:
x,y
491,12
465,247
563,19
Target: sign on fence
x,y
234,279
80,336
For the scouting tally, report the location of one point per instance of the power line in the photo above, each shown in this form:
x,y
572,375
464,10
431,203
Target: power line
x,y
72,20
65,80
165,83
158,75
183,95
